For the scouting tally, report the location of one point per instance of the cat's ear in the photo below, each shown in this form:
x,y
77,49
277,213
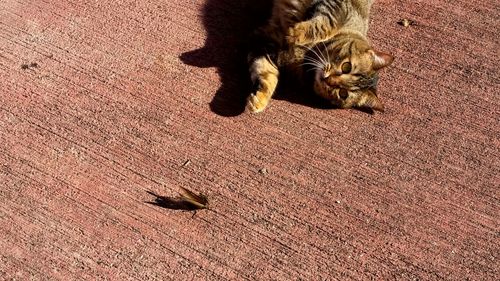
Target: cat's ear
x,y
371,101
381,60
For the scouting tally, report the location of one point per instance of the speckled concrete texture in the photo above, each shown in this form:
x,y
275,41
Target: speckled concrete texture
x,y
103,103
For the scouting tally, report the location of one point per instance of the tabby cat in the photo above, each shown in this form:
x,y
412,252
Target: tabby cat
x,y
323,42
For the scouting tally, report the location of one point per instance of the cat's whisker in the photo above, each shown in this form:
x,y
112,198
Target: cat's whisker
x,y
314,69
323,58
321,55
317,55
310,60
314,66
313,60
327,53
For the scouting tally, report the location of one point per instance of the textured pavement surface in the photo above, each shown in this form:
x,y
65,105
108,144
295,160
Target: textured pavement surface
x,y
104,101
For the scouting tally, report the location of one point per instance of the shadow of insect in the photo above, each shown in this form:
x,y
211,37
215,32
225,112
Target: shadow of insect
x,y
187,201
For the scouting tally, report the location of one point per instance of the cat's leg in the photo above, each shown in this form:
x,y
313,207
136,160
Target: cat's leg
x,y
319,28
264,74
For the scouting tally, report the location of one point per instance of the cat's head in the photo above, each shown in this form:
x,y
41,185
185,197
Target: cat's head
x,y
346,71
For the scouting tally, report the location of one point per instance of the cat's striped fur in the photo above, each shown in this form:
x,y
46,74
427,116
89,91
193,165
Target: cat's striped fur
x,y
325,37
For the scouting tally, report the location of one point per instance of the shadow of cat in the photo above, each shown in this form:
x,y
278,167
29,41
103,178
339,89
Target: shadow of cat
x,y
229,24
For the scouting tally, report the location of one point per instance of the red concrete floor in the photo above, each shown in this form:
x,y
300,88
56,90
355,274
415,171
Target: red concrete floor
x,y
104,101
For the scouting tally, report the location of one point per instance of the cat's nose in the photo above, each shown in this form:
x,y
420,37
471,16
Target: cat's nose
x,y
333,81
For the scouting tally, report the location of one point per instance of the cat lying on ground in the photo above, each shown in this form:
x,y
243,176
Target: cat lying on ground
x,y
324,43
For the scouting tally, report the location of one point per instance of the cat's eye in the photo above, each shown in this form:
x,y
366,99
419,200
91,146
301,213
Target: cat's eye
x,y
346,67
343,94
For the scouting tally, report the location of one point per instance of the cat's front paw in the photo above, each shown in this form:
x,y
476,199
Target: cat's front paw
x,y
257,102
297,35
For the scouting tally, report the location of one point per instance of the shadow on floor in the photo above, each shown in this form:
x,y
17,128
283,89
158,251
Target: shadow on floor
x,y
171,203
229,24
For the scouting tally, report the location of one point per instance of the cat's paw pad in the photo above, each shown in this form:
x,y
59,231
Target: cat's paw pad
x,y
257,102
297,35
